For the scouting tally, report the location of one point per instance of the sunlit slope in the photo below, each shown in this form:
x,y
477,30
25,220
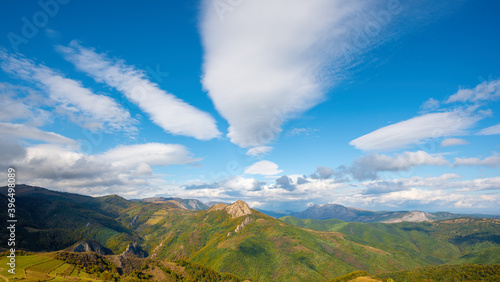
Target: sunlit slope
x,y
427,242
265,249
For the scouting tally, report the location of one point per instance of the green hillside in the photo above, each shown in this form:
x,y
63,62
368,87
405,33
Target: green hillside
x,y
206,242
485,256
468,272
428,243
275,250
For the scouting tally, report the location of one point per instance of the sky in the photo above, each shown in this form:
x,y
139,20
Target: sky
x,y
285,104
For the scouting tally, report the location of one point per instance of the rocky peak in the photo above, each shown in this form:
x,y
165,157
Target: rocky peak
x,y
91,246
237,209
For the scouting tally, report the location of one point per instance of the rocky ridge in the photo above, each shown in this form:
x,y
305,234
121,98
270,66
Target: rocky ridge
x,y
414,216
91,246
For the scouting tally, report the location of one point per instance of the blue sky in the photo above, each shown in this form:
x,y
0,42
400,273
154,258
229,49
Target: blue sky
x,y
284,104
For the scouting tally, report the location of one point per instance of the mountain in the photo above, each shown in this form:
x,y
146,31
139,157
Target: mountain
x,y
211,203
160,239
189,204
250,244
334,211
275,214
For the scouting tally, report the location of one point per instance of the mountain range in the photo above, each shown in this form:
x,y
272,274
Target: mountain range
x,y
335,211
173,235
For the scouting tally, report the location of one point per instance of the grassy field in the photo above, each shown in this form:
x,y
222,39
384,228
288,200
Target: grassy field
x,y
43,267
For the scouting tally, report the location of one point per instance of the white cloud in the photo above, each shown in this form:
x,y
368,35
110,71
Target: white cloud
x,y
416,130
165,110
263,168
79,103
480,184
23,132
492,130
491,161
125,170
239,183
486,91
453,142
368,166
153,154
392,185
268,61
257,151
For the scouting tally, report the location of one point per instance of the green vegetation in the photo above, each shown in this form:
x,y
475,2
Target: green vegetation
x,y
187,245
66,266
350,276
468,272
486,256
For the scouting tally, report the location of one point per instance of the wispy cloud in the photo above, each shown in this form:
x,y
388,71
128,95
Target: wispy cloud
x,y
486,91
453,142
492,130
165,110
22,132
268,61
81,105
258,151
416,130
452,121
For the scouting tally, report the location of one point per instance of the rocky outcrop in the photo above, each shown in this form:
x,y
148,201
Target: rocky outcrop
x,y
243,224
414,216
91,246
237,209
217,207
134,221
134,250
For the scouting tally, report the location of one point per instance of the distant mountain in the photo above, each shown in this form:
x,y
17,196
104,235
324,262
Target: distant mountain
x,y
329,211
189,204
275,214
334,211
212,203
